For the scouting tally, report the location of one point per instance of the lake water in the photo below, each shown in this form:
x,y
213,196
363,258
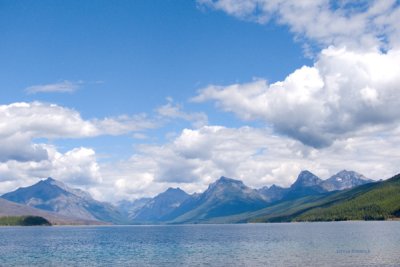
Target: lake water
x,y
284,244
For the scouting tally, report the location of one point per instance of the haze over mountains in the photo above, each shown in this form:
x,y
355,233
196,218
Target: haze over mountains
x,y
225,200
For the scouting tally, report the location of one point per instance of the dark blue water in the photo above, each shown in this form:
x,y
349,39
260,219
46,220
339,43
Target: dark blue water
x,y
296,244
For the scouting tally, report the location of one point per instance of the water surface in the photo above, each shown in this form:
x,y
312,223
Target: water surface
x,y
284,244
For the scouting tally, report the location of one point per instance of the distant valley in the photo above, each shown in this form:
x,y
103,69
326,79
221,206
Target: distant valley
x,y
346,195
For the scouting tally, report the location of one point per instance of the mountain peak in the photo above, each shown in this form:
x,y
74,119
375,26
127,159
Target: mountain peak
x,y
161,205
305,173
174,189
274,187
272,193
306,179
344,180
306,183
171,194
225,180
58,186
53,182
224,183
49,179
346,173
55,196
226,187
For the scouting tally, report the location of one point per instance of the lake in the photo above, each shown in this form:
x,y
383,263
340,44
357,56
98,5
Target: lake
x,y
281,244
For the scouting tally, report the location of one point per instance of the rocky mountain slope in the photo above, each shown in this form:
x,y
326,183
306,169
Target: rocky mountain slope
x,y
54,196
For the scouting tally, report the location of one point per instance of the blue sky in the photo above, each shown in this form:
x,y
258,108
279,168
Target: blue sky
x,y
128,57
136,49
136,96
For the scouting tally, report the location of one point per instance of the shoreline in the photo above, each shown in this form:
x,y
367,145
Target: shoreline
x,y
193,224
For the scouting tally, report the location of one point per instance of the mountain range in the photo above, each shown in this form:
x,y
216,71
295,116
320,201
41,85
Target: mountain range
x,y
224,201
53,196
161,205
224,197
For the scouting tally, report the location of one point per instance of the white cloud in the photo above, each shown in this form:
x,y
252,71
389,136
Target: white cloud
x,y
38,119
124,124
197,157
20,148
344,92
23,160
352,86
175,111
61,87
26,121
355,24
22,122
77,167
192,160
340,113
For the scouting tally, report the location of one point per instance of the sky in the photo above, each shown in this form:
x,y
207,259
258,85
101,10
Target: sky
x,y
127,98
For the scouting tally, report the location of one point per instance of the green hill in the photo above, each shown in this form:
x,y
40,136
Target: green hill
x,y
374,201
378,202
23,221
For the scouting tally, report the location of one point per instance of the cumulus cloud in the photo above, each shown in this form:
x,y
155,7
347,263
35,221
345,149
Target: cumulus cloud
x,y
340,113
343,109
24,159
353,84
42,120
344,92
20,148
77,167
197,157
61,87
25,156
355,24
204,154
194,159
38,119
